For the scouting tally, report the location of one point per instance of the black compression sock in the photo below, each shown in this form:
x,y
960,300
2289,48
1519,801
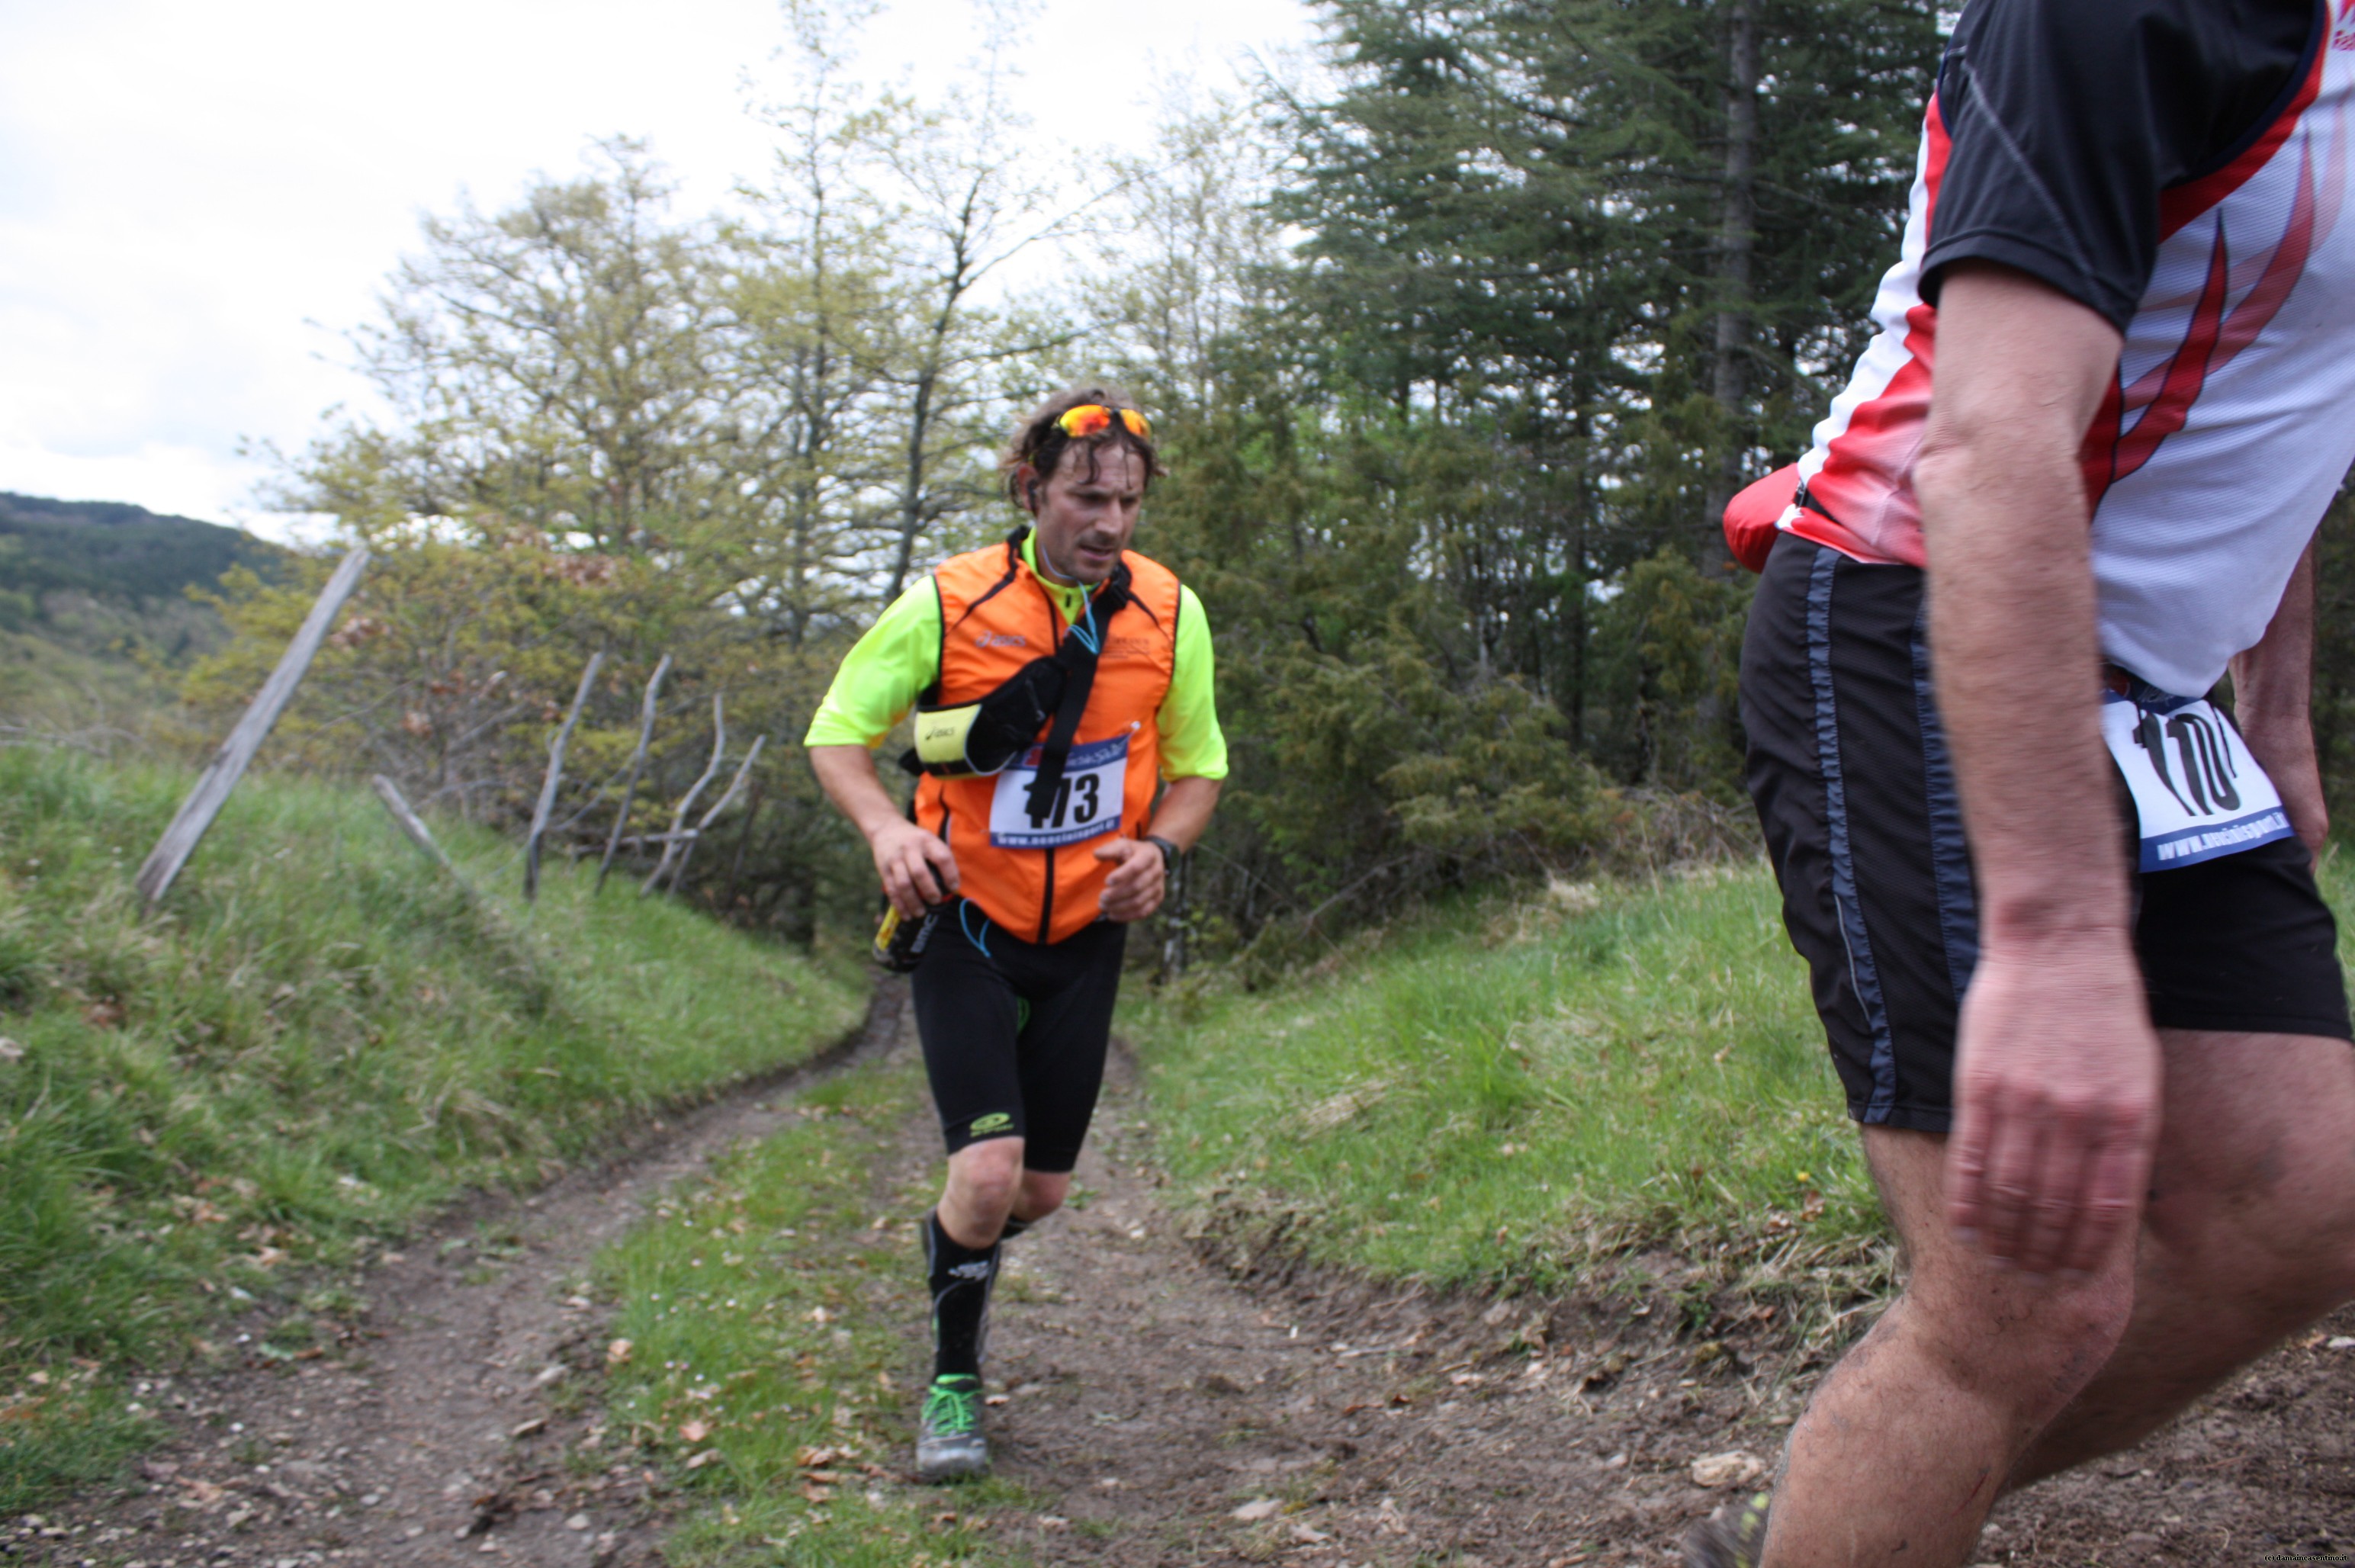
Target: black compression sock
x,y
960,1278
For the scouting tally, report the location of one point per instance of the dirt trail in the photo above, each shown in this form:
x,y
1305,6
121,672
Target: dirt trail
x,y
437,1434
1148,1397
1158,1412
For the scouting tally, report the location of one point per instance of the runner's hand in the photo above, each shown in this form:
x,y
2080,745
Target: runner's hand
x,y
2057,1080
917,867
1138,881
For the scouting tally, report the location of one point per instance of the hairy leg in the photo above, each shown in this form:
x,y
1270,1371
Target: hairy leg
x,y
987,1183
984,1180
2248,1235
1906,1446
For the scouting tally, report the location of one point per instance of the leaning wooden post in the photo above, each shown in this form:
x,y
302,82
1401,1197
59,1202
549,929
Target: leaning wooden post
x,y
228,763
735,785
679,818
637,762
412,826
548,786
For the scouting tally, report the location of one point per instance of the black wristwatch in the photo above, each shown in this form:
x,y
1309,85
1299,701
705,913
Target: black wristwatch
x,y
1169,852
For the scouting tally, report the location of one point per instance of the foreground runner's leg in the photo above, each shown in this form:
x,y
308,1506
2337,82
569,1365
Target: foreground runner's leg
x,y
1906,1446
2249,1234
962,1242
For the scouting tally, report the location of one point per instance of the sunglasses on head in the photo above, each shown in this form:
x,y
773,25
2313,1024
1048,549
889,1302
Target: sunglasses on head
x,y
1088,419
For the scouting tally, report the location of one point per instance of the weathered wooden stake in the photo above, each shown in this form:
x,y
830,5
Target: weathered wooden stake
x,y
637,762
555,779
679,818
411,825
414,826
678,878
228,763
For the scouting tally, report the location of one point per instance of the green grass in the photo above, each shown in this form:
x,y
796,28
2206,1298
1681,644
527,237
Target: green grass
x,y
316,1042
1502,1092
768,1312
1499,1093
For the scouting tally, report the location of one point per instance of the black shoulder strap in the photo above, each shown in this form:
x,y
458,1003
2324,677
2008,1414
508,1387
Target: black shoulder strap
x,y
1077,654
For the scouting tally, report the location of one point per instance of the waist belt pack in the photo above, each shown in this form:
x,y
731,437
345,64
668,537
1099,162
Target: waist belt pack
x,y
971,739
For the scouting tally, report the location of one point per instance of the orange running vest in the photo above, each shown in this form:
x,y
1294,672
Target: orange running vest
x,y
1039,877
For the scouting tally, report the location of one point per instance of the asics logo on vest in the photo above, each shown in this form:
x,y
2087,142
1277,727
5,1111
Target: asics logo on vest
x,y
1001,640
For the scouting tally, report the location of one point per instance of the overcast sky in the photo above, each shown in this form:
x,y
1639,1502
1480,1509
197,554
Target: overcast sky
x,y
197,200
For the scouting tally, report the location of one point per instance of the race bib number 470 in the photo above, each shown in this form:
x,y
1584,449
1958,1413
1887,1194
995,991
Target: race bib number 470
x,y
1086,804
2198,793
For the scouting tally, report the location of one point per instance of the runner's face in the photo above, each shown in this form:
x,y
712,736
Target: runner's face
x,y
1085,517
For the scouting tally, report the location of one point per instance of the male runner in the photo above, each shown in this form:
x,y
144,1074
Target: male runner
x,y
2065,935
1014,992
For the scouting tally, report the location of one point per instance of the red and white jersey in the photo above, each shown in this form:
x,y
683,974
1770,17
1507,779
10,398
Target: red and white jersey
x,y
2212,236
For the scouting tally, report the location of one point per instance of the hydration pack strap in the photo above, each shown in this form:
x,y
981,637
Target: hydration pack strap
x,y
986,736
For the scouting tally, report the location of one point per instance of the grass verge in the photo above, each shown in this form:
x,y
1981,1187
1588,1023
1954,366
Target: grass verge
x,y
1502,1094
764,1356
318,1041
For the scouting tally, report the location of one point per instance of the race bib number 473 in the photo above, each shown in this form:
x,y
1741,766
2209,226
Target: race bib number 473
x,y
2198,793
1086,804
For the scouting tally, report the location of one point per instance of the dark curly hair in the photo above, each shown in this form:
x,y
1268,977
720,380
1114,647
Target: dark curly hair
x,y
1041,443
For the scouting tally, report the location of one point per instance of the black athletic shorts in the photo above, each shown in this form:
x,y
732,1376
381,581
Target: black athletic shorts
x,y
1849,769
1014,1032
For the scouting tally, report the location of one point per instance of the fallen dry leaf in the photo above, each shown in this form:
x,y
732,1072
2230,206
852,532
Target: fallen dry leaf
x,y
617,1353
695,1431
1254,1511
703,1458
1732,1468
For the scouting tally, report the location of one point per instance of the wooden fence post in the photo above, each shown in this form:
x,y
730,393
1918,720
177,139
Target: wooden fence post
x,y
679,818
555,779
229,764
637,762
412,826
678,878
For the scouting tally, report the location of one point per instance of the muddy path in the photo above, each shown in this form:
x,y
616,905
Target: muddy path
x,y
1163,1416
437,1432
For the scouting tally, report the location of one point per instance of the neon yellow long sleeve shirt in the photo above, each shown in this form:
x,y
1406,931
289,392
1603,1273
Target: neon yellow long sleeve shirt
x,y
881,676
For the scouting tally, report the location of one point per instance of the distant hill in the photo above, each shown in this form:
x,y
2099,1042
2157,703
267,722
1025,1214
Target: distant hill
x,y
96,624
114,550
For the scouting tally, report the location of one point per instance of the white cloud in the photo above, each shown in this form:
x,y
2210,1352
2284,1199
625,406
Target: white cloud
x,y
196,201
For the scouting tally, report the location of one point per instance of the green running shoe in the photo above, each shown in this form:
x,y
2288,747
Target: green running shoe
x,y
949,1446
1732,1537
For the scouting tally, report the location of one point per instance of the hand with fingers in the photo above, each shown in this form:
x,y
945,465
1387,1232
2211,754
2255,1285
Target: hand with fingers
x,y
1138,879
917,868
2057,1077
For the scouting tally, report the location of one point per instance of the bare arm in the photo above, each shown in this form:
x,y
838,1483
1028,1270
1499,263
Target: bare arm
x,y
915,868
1138,879
2272,684
2057,1066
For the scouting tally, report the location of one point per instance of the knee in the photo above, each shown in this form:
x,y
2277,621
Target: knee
x,y
2287,1258
1042,1193
2030,1346
988,1175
